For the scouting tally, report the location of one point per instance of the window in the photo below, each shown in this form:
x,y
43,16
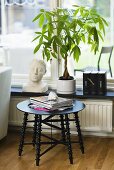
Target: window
x,y
105,8
0,18
18,34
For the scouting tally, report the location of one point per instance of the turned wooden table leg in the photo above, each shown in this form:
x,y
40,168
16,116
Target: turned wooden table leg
x,y
23,129
38,138
34,130
79,132
68,140
62,128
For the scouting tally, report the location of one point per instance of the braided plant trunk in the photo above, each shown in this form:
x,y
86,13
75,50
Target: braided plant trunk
x,y
66,75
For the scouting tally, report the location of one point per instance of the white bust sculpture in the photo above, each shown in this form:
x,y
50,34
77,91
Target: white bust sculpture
x,y
35,84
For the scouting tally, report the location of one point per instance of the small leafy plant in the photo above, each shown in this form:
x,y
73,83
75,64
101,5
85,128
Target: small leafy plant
x,y
63,30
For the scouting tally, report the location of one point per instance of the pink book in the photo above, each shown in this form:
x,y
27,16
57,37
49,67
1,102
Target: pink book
x,y
41,109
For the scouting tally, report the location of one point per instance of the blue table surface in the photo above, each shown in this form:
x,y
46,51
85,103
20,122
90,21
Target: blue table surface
x,y
77,106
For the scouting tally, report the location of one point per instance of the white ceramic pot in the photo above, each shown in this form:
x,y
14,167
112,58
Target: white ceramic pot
x,y
66,86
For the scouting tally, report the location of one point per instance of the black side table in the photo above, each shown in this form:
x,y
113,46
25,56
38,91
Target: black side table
x,y
64,127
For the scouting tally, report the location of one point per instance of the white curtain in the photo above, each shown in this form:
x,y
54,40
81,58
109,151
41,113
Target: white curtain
x,y
23,2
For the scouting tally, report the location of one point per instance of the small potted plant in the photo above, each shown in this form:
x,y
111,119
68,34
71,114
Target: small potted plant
x,y
62,32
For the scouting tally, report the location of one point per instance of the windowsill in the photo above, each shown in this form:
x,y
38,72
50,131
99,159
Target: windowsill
x,y
17,91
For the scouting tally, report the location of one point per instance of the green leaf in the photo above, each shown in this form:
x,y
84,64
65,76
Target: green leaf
x,y
63,18
91,31
36,38
50,13
73,25
100,35
89,39
49,34
37,48
101,26
105,22
76,53
93,12
47,54
54,46
37,17
62,50
92,47
83,38
50,28
41,40
46,37
60,27
76,12
44,28
42,10
58,40
48,17
38,33
43,54
77,38
75,5
54,55
41,20
82,10
96,39
80,23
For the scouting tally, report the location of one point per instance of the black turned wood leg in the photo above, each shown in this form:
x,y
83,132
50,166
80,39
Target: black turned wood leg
x,y
38,138
34,130
62,128
79,131
68,139
23,129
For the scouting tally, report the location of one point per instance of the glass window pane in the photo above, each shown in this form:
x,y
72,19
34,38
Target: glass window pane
x,y
87,58
20,33
0,17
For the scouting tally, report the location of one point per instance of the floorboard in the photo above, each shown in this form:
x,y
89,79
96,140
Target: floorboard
x,y
99,155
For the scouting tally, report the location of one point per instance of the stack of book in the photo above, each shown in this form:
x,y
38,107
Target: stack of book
x,y
94,83
43,103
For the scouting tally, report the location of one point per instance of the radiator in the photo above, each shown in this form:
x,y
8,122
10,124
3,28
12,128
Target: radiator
x,y
97,116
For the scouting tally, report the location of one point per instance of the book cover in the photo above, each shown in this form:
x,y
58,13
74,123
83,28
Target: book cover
x,y
86,82
102,83
94,82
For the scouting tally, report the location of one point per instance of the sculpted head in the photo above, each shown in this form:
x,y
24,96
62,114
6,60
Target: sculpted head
x,y
37,70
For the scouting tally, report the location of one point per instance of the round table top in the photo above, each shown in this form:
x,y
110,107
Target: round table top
x,y
77,106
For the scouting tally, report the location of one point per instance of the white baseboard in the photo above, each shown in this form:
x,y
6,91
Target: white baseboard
x,y
73,131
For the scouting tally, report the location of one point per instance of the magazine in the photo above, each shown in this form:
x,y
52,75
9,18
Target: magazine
x,y
42,108
51,104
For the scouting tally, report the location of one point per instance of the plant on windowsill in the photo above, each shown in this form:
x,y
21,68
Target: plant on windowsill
x,y
62,32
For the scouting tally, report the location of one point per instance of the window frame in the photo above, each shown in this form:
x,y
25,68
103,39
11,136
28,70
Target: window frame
x,y
21,79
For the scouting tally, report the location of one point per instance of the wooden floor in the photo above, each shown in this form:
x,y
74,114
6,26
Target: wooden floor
x,y
99,155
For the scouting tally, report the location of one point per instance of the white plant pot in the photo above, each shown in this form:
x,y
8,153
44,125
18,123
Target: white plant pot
x,y
66,86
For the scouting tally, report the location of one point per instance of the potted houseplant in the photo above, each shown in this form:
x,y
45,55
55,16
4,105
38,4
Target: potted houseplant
x,y
62,32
